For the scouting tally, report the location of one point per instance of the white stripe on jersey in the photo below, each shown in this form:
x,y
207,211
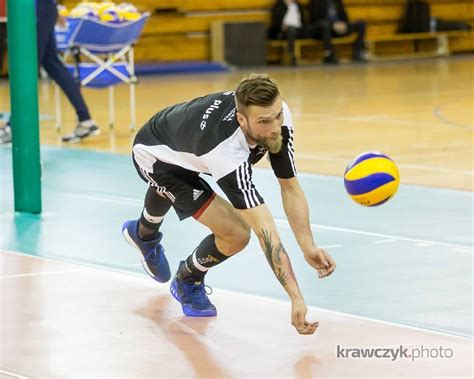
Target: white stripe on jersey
x,y
251,188
244,181
288,122
291,150
240,183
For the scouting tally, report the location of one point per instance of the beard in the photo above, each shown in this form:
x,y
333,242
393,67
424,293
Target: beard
x,y
273,145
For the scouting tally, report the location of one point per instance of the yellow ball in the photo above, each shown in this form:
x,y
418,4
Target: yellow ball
x,y
62,10
130,16
128,11
371,179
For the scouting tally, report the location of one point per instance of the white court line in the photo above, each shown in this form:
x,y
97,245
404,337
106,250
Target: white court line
x,y
102,269
354,231
459,248
14,375
428,331
330,246
384,241
146,279
44,273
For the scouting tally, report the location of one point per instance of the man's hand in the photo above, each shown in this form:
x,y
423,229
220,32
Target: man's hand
x,y
298,318
321,261
340,27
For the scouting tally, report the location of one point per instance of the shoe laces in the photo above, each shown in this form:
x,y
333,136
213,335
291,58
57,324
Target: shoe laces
x,y
155,254
197,293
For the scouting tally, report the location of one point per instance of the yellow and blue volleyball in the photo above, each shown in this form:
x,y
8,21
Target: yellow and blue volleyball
x,y
371,179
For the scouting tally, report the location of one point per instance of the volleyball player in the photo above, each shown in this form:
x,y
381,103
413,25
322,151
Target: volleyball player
x,y
222,134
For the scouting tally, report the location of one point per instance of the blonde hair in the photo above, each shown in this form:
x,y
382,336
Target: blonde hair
x,y
256,89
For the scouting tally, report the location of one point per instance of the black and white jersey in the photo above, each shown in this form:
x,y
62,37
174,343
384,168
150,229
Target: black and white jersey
x,y
204,136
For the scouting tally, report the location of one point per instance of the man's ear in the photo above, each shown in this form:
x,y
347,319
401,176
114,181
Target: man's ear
x,y
241,119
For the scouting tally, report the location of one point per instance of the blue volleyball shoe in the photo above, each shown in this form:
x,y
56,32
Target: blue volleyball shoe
x,y
153,254
192,296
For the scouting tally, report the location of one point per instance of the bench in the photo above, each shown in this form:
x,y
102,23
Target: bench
x,y
300,44
439,44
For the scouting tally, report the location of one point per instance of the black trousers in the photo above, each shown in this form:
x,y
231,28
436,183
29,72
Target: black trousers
x,y
323,30
291,35
47,14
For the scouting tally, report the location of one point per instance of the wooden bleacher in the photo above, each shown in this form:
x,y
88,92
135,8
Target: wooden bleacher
x,y
179,29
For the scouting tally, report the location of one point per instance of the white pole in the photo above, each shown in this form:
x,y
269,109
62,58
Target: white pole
x,y
133,79
111,107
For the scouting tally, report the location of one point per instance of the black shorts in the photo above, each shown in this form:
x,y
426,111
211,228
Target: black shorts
x,y
189,194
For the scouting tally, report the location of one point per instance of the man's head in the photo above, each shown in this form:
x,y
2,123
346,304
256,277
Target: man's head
x,y
260,111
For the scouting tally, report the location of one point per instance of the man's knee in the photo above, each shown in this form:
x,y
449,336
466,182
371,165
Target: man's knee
x,y
236,239
242,238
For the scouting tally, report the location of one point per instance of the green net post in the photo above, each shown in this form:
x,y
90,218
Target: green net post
x,y
23,70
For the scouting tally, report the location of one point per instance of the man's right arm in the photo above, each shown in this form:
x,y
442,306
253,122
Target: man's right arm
x,y
243,195
262,223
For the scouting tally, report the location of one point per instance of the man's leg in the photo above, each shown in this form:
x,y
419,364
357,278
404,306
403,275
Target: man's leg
x,y
154,210
144,234
291,34
56,71
323,30
230,235
358,48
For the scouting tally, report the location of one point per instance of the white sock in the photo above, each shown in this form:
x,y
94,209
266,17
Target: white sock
x,y
87,123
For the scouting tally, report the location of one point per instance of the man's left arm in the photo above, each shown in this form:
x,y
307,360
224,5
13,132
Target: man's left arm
x,y
296,209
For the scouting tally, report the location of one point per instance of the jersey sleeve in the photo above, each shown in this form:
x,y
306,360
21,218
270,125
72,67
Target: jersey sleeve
x,y
283,163
239,188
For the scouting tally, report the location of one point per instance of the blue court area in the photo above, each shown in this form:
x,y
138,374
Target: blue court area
x,y
408,261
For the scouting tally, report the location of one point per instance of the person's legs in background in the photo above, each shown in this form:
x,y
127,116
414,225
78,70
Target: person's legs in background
x,y
358,49
292,34
323,31
291,37
48,57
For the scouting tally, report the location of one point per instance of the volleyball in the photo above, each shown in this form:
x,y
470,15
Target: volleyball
x,y
84,10
128,12
111,15
371,179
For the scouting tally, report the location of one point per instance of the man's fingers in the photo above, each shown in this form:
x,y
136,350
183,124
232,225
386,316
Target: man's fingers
x,y
331,269
330,260
308,328
324,261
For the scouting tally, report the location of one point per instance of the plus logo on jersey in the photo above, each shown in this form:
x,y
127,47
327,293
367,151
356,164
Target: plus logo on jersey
x,y
207,114
229,116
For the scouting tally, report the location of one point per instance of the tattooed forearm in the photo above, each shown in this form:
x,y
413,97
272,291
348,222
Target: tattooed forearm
x,y
277,259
